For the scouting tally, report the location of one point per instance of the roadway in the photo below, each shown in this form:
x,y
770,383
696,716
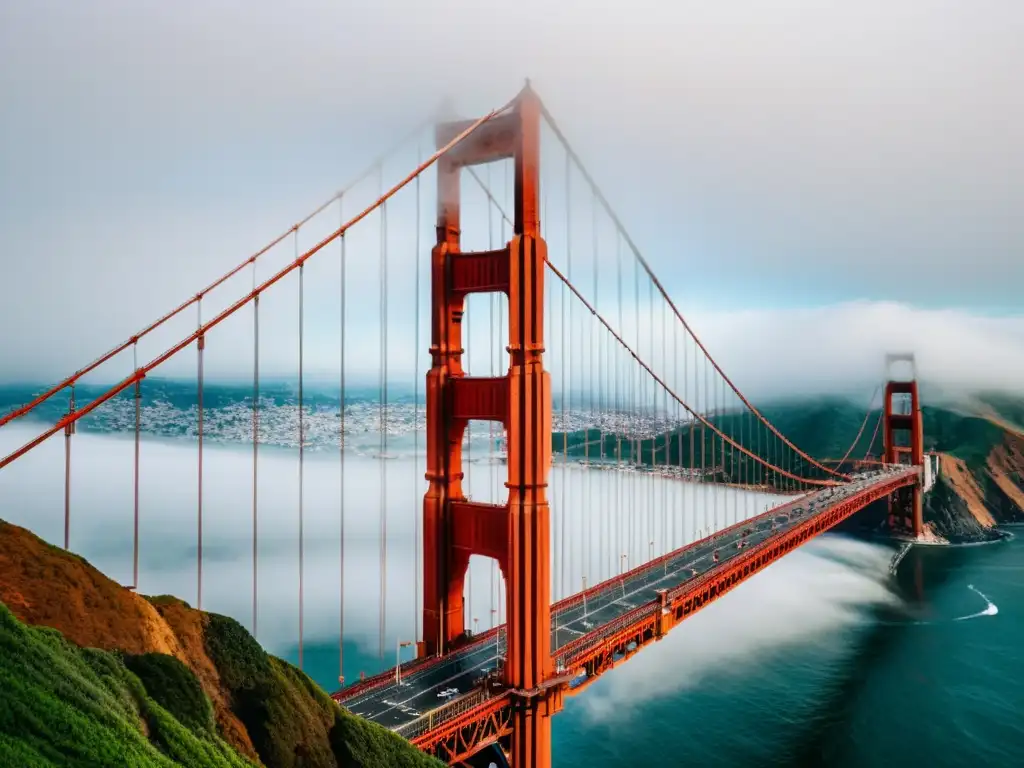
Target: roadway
x,y
421,691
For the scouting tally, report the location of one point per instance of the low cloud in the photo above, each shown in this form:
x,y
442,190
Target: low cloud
x,y
761,156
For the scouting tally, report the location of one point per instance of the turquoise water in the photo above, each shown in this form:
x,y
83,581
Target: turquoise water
x,y
926,675
823,659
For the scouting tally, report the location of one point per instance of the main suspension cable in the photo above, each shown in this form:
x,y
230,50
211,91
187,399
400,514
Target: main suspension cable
x,y
241,302
661,382
863,426
571,153
43,397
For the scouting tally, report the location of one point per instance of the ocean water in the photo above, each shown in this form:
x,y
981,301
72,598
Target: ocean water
x,y
823,659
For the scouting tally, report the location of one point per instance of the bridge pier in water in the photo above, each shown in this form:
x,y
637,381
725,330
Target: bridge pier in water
x,y
516,534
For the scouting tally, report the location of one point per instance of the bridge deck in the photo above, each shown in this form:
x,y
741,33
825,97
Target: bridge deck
x,y
584,616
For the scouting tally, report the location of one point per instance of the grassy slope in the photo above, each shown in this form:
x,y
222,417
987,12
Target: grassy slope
x,y
148,695
61,705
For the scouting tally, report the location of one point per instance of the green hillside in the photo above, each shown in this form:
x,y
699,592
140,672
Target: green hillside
x,y
214,698
823,428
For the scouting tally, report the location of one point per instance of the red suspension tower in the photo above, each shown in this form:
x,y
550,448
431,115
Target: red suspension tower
x,y
517,533
904,444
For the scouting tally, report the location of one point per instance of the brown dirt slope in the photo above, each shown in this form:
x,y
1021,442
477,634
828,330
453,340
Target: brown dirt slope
x,y
46,586
189,627
963,483
991,488
1006,468
264,708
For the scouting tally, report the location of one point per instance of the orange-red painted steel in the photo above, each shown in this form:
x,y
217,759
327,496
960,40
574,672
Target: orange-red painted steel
x,y
911,427
460,737
647,623
516,534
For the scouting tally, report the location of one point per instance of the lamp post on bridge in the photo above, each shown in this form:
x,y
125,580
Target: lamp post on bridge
x,y
398,659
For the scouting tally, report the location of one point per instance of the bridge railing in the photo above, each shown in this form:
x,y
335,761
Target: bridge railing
x,y
444,713
565,654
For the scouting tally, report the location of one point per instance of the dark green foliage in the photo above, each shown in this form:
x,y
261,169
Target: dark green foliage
x,y
65,706
173,686
242,663
965,437
61,705
163,600
360,744
821,427
1006,407
290,720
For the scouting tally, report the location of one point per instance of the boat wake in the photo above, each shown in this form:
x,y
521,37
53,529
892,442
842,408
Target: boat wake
x,y
991,609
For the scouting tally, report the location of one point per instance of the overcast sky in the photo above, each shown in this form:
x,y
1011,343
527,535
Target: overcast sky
x,y
779,163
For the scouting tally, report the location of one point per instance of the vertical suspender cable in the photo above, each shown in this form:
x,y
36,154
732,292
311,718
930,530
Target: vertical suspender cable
x,y
598,336
703,441
717,450
677,521
668,434
638,445
255,449
200,344
733,468
416,418
302,444
619,395
135,479
566,362
693,429
383,423
68,431
341,460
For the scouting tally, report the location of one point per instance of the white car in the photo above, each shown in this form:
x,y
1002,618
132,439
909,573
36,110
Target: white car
x,y
447,692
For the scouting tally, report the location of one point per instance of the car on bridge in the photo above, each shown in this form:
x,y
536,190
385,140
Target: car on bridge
x,y
447,693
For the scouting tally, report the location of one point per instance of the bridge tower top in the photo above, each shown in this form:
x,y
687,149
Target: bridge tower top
x,y
904,434
892,359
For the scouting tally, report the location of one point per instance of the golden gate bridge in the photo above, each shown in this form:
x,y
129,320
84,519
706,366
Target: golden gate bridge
x,y
632,392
